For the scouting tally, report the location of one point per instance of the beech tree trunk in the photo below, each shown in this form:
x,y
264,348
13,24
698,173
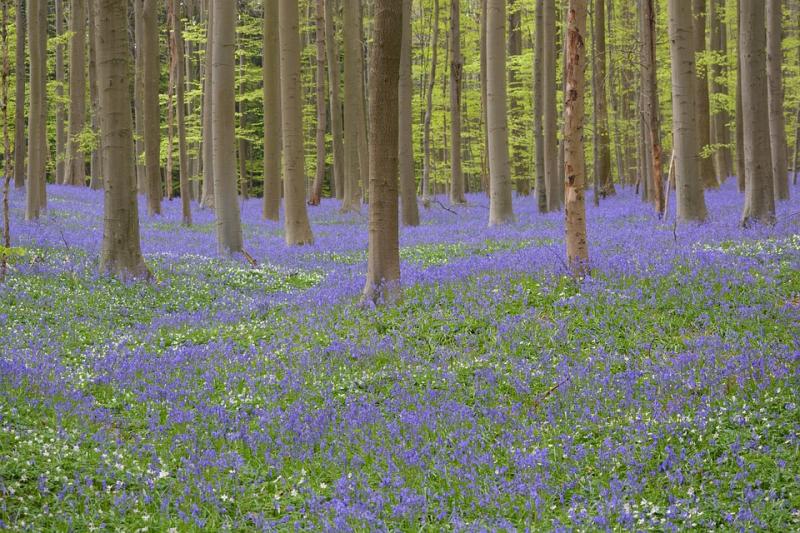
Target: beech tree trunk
x,y
223,111
208,197
352,104
518,149
500,201
180,90
316,192
408,183
96,168
298,229
138,97
701,103
574,163
383,266
456,74
121,252
759,204
484,100
720,136
61,130
741,171
37,110
650,103
272,113
777,122
426,127
75,167
689,186
337,130
599,77
20,107
550,123
151,65
538,109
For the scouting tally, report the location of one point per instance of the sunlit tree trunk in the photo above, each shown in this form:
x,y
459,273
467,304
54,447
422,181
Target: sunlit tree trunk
x,y
689,186
121,252
777,122
759,204
223,112
297,227
37,110
574,163
500,206
383,266
75,168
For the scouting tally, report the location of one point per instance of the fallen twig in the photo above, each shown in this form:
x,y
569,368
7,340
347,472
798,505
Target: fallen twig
x,y
538,401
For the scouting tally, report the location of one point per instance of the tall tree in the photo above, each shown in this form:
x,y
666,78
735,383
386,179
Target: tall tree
x,y
701,102
121,253
519,167
552,183
574,163
7,161
75,169
500,205
426,127
740,166
272,113
297,227
538,108
456,74
720,136
690,198
408,184
61,130
383,267
96,168
37,110
337,130
759,204
650,101
352,104
316,192
176,43
601,106
138,96
19,123
777,122
223,111
151,67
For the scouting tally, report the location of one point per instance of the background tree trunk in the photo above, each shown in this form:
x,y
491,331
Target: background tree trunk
x,y
352,103
777,122
759,204
96,168
720,136
151,65
226,199
37,110
208,197
650,102
550,124
298,229
337,130
75,167
690,198
574,163
599,77
61,131
121,252
408,183
701,103
538,108
741,171
20,107
316,193
520,173
272,113
138,92
180,89
500,205
383,266
426,127
456,73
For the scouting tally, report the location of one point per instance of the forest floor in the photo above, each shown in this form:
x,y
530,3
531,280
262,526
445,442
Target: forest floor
x,y
659,394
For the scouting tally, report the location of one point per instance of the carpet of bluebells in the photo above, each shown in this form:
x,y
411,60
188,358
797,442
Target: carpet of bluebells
x,y
661,393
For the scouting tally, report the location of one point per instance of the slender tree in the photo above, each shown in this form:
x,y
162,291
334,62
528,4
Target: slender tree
x,y
777,122
208,198
650,102
298,229
456,74
138,98
316,192
151,65
272,113
408,185
7,161
121,252
334,86
20,108
37,110
552,183
177,46
352,104
701,101
75,168
538,108
226,204
574,163
426,127
61,129
690,198
96,169
759,204
720,136
383,268
741,171
599,78
520,173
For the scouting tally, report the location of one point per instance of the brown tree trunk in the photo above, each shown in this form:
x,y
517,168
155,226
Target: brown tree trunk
x,y
538,109
208,197
759,204
272,113
383,266
298,229
151,65
121,252
574,164
599,77
75,167
138,97
550,123
456,73
334,87
61,131
37,110
408,184
690,198
20,108
650,103
701,103
777,122
426,127
720,136
741,171
519,151
180,89
352,104
316,192
96,168
484,101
